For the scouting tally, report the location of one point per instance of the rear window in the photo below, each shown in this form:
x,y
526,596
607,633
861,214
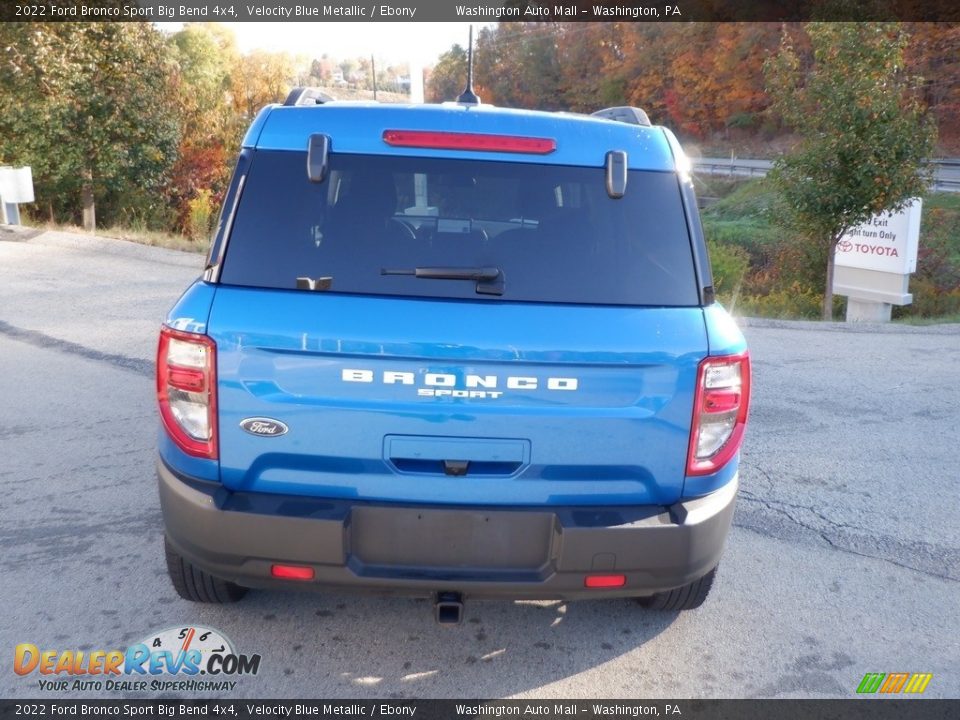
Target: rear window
x,y
552,231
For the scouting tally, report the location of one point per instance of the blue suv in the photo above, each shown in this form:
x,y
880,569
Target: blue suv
x,y
452,350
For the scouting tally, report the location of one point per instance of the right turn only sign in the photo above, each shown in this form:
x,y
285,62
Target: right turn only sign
x,y
887,242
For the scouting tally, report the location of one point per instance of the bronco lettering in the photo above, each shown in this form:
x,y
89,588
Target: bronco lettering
x,y
447,380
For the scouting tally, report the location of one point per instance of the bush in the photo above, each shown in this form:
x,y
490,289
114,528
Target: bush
x,y
742,120
200,216
746,218
936,284
757,239
930,300
792,302
730,265
766,269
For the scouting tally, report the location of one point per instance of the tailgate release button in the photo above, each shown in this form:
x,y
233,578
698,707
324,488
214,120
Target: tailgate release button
x,y
456,468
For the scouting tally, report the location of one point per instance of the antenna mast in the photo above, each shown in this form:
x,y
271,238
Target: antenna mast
x,y
468,97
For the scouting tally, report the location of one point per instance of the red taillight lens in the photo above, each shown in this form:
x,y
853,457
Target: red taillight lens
x,y
481,142
719,412
186,379
604,581
292,572
187,390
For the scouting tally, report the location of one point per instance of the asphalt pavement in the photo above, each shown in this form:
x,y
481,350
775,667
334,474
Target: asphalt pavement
x,y
844,557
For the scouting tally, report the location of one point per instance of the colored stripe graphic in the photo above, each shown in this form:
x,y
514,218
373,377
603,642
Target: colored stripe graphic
x,y
918,682
870,682
894,682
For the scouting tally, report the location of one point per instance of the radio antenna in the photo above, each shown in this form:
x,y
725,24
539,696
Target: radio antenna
x,y
468,96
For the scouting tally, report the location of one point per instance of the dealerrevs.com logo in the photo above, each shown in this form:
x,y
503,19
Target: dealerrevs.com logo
x,y
178,659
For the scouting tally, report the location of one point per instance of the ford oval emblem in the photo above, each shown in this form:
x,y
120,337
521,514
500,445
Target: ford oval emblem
x,y
264,427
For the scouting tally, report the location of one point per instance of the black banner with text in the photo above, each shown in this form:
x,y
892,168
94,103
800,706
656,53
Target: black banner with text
x,y
865,709
478,10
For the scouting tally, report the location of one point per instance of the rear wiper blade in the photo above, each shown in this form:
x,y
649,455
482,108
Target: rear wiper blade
x,y
490,280
447,273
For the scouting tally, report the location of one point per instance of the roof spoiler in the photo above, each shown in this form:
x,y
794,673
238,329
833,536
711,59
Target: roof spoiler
x,y
624,114
301,96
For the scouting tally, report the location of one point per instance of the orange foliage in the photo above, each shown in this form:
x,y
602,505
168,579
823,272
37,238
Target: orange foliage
x,y
702,79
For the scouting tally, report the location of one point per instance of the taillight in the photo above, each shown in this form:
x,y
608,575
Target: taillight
x,y
187,390
482,142
719,412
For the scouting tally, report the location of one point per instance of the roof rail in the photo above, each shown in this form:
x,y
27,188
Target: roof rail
x,y
307,96
624,114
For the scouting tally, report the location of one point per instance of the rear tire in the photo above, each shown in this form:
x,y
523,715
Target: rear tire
x,y
688,597
192,583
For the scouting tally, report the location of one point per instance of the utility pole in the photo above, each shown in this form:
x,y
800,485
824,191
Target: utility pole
x,y
373,68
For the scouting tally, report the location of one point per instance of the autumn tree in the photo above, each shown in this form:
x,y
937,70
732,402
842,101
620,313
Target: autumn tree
x,y
321,70
260,78
934,55
205,54
519,66
515,65
704,80
449,76
90,107
865,137
592,65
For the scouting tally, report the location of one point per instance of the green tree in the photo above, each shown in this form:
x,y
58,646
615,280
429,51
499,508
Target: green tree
x,y
205,54
517,65
90,106
865,138
449,76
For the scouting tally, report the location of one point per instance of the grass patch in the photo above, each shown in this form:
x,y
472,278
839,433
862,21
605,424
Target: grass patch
x,y
942,201
716,186
921,320
154,238
744,218
754,199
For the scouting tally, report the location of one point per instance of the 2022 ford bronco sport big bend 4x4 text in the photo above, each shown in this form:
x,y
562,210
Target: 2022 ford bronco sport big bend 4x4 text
x,y
452,351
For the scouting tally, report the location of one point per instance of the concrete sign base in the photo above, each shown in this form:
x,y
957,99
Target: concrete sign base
x,y
868,311
871,294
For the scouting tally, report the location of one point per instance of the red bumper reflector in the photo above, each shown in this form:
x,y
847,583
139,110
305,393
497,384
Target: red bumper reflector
x,y
604,581
291,572
481,142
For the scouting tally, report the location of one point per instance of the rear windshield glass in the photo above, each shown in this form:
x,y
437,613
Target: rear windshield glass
x,y
552,232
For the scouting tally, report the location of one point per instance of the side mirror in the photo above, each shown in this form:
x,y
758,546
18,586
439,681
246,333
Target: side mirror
x,y
616,165
318,151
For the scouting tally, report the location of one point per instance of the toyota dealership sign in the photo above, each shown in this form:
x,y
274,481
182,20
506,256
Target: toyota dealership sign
x,y
886,243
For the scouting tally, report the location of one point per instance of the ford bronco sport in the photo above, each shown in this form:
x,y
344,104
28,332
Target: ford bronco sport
x,y
452,350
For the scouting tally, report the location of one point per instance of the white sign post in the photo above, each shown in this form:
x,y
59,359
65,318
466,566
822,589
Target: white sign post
x,y
16,186
874,262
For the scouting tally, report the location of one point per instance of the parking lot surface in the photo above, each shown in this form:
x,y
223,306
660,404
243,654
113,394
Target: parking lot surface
x,y
844,557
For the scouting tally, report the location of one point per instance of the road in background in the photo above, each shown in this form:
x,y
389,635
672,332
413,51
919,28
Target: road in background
x,y
946,176
844,557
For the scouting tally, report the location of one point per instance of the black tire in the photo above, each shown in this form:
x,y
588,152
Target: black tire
x,y
688,597
195,585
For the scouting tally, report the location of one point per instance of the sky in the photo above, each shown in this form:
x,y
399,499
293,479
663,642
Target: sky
x,y
391,42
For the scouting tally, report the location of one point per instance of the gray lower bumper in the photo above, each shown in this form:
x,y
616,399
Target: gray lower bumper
x,y
533,553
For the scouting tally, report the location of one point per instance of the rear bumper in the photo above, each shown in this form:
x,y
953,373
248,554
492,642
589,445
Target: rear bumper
x,y
518,553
